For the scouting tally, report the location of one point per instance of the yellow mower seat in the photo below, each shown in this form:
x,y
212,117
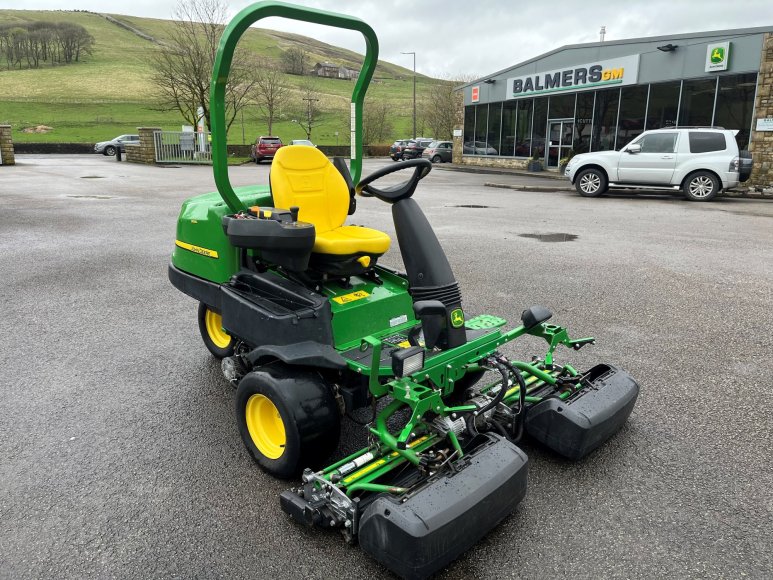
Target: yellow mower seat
x,y
302,176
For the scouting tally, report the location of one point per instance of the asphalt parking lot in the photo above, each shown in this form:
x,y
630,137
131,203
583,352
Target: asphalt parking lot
x,y
120,455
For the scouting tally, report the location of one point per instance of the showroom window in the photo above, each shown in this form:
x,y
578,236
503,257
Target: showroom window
x,y
583,121
735,105
494,126
469,124
481,125
540,127
663,105
697,104
523,128
633,110
605,120
509,117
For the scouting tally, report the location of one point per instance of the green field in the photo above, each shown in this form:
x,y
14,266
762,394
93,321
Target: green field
x,y
111,92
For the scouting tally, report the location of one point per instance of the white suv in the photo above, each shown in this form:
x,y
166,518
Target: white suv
x,y
701,161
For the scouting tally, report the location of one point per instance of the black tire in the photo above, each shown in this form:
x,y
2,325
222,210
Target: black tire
x,y
591,182
298,400
109,150
257,161
212,333
437,159
701,186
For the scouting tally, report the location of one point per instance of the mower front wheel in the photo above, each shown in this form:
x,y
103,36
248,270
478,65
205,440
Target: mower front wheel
x,y
217,340
288,419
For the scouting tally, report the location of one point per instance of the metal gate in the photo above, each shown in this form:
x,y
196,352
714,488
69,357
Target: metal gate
x,y
182,147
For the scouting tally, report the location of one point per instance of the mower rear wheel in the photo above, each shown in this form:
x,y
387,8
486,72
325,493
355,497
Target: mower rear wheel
x,y
288,419
217,340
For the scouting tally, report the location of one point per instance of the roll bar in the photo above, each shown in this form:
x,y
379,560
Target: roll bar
x,y
225,52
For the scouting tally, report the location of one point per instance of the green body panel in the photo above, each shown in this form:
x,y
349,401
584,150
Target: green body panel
x,y
386,306
200,225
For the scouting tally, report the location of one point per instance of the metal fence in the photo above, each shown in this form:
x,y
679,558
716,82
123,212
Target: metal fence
x,y
182,147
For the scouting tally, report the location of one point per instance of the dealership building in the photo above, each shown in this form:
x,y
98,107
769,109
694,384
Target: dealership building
x,y
601,95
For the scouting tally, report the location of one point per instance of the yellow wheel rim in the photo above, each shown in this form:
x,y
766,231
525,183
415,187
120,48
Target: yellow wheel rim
x,y
266,427
214,323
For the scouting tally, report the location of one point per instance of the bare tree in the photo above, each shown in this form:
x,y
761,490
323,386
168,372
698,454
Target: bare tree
x,y
376,121
439,109
271,91
184,65
295,60
309,110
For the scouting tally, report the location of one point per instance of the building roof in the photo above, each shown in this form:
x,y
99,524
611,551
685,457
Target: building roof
x,y
665,37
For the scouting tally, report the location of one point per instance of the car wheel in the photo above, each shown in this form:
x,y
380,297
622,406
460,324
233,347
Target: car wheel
x,y
288,419
257,161
436,159
591,183
701,186
110,150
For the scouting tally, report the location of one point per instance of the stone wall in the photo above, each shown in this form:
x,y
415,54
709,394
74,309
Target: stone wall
x,y
145,152
6,145
761,146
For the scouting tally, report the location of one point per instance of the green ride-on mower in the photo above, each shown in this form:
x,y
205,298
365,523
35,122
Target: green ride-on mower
x,y
310,327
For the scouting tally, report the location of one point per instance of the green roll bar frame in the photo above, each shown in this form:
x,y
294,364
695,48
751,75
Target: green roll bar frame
x,y
225,52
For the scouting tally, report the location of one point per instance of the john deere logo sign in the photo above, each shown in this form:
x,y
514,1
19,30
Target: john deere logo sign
x,y
618,71
717,56
457,318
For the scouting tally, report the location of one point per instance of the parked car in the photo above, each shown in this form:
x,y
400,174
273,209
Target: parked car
x,y
478,148
110,147
439,151
415,147
701,161
264,148
302,142
396,149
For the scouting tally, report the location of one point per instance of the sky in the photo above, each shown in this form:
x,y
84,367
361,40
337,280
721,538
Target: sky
x,y
464,39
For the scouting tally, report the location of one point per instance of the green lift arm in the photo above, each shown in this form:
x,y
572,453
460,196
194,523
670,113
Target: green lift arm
x,y
228,41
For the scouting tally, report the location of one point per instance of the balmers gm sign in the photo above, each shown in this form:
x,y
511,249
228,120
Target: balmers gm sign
x,y
614,72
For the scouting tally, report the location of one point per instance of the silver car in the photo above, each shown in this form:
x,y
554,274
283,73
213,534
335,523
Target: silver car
x,y
110,147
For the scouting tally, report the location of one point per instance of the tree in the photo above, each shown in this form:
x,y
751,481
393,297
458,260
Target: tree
x,y
270,91
376,122
439,111
309,115
295,60
184,65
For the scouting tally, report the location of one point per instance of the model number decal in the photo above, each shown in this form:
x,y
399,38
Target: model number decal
x,y
346,298
196,249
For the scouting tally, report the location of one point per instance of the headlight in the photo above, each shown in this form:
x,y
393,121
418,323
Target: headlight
x,y
407,361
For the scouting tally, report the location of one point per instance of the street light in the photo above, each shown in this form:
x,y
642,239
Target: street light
x,y
414,91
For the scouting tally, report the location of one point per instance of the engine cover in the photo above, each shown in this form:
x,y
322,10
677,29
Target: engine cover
x,y
419,536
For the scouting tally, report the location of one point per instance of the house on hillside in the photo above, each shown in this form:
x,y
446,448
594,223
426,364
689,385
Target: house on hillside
x,y
325,69
350,74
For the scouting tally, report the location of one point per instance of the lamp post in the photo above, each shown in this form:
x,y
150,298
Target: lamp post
x,y
414,91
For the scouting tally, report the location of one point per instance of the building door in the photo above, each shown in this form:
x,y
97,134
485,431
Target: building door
x,y
560,134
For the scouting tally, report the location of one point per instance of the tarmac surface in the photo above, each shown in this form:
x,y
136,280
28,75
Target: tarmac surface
x,y
119,453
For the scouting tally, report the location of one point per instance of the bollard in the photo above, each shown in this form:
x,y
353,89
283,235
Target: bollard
x,y
118,153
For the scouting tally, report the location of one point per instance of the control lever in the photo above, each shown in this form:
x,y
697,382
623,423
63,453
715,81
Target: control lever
x,y
294,209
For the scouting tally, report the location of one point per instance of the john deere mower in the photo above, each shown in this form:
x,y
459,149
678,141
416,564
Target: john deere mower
x,y
311,327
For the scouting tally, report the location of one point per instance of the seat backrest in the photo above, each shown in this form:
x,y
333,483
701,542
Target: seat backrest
x,y
303,176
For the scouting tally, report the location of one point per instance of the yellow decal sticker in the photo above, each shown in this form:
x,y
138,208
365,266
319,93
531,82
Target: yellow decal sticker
x,y
196,249
346,298
404,344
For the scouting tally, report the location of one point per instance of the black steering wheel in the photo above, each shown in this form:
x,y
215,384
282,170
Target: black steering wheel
x,y
394,193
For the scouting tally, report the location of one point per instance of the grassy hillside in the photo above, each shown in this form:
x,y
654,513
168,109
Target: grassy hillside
x,y
111,92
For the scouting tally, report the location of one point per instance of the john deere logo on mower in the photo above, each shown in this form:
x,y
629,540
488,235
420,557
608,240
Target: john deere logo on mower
x,y
718,55
457,318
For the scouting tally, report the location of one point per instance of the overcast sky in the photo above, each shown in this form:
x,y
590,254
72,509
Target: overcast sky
x,y
453,37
